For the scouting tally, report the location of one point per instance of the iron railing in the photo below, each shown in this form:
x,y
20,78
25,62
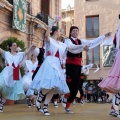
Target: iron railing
x,y
10,1
44,17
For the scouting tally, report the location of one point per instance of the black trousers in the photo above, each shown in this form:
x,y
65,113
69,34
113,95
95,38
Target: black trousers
x,y
80,88
73,80
55,97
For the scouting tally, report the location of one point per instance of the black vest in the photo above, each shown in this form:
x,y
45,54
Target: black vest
x,y
40,57
69,54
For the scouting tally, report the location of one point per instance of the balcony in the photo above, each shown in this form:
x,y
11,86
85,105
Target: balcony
x,y
44,17
10,1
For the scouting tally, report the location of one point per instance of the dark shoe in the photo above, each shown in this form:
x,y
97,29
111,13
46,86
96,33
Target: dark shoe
x,y
67,110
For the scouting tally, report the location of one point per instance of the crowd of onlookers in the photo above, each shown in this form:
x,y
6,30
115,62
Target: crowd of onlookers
x,y
92,93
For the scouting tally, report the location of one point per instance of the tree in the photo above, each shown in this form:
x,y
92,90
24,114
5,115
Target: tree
x,y
20,43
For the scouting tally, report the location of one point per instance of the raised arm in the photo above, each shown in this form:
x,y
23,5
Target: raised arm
x,y
31,48
47,35
75,48
95,42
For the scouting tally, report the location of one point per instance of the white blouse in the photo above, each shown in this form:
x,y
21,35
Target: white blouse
x,y
30,67
8,70
92,43
53,46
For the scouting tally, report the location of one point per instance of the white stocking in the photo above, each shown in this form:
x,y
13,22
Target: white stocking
x,y
49,97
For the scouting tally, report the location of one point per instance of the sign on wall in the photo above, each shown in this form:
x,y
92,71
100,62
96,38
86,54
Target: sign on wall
x,y
19,15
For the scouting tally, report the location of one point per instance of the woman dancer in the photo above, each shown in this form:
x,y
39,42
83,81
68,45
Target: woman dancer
x,y
11,86
30,66
50,76
112,82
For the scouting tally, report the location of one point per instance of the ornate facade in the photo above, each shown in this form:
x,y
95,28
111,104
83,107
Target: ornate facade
x,y
38,13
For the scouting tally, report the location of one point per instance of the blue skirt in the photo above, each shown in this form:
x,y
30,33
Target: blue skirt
x,y
15,92
50,75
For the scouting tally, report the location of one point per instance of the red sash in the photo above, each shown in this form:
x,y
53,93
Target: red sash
x,y
15,72
75,61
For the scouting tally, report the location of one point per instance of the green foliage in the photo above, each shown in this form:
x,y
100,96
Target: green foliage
x,y
22,71
5,43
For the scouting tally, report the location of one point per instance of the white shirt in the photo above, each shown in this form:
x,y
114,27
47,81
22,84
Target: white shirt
x,y
92,43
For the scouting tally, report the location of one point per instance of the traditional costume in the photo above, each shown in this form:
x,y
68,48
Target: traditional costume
x,y
50,76
112,82
73,66
11,86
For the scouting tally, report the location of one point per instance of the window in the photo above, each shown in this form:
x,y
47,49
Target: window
x,y
63,15
93,56
92,26
45,6
10,1
45,9
28,8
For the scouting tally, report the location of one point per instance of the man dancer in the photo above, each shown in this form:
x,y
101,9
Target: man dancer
x,y
73,64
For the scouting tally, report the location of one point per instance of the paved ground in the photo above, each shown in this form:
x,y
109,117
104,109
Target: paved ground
x,y
89,111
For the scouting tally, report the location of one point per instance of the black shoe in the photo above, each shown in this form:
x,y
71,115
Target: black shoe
x,y
30,103
67,110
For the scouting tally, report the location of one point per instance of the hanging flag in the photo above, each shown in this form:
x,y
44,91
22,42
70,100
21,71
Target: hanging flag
x,y
19,15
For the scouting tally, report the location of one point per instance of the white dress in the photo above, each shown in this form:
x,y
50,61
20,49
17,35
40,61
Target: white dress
x,y
50,75
9,87
29,70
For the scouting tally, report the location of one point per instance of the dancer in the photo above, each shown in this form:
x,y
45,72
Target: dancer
x,y
112,82
73,64
50,76
11,86
30,66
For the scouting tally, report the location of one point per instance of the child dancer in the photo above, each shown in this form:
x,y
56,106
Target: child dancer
x,y
30,66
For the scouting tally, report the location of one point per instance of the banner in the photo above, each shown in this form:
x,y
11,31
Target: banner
x,y
19,15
